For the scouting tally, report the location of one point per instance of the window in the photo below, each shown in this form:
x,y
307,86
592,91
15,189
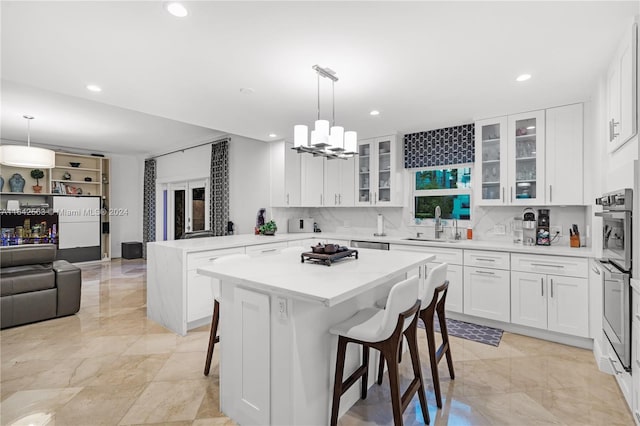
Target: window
x,y
448,188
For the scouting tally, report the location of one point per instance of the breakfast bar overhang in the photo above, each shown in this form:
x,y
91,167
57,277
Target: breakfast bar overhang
x,y
277,357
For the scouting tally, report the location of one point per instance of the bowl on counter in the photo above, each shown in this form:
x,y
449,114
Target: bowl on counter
x,y
318,249
74,164
331,248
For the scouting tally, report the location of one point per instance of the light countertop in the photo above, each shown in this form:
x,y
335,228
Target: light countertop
x,y
214,243
285,275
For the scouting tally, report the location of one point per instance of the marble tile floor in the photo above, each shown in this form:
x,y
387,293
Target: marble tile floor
x,y
109,365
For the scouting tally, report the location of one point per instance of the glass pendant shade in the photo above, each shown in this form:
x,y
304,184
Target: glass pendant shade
x,y
27,156
350,141
314,138
336,137
322,130
300,135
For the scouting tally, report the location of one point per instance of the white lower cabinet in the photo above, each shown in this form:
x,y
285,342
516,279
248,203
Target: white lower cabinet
x,y
262,249
550,302
554,302
635,355
486,293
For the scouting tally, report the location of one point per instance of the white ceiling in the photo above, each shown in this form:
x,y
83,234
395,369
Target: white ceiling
x,y
424,65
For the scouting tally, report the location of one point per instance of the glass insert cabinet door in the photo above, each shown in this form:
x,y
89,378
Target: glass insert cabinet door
x,y
526,145
364,173
491,155
384,171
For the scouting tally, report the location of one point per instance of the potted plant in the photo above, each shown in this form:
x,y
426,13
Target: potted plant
x,y
37,174
268,228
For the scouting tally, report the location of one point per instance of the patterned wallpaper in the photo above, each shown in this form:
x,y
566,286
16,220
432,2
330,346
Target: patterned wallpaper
x,y
440,147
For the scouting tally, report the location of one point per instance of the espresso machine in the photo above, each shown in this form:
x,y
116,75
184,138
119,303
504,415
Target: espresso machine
x,y
542,232
529,226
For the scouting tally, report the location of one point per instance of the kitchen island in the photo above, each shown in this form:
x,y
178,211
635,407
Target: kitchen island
x,y
277,357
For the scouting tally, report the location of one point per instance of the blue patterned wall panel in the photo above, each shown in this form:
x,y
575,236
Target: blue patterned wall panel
x,y
440,147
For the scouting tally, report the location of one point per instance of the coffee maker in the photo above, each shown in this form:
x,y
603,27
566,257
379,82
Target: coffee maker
x,y
542,231
529,225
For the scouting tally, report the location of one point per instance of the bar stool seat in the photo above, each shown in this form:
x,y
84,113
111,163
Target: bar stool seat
x,y
215,319
382,330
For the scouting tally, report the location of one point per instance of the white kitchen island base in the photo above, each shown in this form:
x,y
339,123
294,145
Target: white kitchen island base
x,y
277,357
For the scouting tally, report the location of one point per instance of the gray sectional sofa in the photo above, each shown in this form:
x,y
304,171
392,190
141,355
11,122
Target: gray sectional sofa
x,y
34,286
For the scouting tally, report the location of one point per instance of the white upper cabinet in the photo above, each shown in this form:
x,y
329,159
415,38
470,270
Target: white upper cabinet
x,y
622,91
312,172
491,160
565,155
339,182
379,172
285,175
510,155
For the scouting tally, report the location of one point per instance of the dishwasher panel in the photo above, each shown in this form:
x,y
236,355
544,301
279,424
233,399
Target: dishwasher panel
x,y
369,245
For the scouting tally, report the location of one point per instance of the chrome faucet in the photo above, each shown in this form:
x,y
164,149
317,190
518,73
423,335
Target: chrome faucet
x,y
438,227
457,235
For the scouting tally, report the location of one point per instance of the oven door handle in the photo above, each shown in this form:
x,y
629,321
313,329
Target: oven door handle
x,y
619,214
611,272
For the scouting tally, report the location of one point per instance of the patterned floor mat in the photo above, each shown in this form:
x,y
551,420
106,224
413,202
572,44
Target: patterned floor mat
x,y
469,331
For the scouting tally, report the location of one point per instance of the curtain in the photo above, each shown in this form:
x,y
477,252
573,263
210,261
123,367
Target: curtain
x,y
219,211
149,205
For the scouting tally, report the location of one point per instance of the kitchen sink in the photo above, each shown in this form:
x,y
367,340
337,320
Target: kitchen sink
x,y
433,240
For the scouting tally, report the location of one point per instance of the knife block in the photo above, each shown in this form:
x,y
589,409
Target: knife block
x,y
574,241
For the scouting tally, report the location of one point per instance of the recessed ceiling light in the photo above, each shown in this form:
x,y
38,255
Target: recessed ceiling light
x,y
176,9
247,90
272,135
523,77
94,88
374,112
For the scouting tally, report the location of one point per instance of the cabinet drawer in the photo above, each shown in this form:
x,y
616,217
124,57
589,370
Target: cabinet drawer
x,y
450,256
204,258
270,248
306,243
486,259
556,265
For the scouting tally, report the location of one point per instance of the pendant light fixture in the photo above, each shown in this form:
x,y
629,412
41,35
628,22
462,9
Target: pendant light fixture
x,y
27,156
330,142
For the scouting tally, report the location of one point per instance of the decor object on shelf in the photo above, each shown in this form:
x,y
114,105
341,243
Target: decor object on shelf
x,y
66,176
27,156
104,178
87,179
1,183
74,164
37,174
16,183
268,228
330,143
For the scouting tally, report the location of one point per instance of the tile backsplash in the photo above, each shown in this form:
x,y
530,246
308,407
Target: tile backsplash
x,y
487,222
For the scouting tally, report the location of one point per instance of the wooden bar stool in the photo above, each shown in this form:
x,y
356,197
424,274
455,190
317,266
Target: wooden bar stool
x,y
382,329
215,319
435,292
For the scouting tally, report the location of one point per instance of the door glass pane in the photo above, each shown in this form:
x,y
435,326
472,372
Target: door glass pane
x,y
178,213
443,179
491,162
525,150
364,172
197,208
451,206
384,171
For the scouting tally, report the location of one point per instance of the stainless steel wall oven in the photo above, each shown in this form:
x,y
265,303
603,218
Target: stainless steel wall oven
x,y
616,293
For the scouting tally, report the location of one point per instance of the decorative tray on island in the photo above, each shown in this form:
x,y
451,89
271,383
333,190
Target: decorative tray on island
x,y
327,259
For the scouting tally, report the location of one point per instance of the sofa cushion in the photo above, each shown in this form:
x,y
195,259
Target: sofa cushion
x,y
27,255
27,307
26,282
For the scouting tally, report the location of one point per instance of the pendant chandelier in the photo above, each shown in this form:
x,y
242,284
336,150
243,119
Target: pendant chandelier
x,y
331,142
27,156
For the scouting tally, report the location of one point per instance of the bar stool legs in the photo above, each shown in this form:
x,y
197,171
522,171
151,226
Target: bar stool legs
x,y
389,350
213,336
435,355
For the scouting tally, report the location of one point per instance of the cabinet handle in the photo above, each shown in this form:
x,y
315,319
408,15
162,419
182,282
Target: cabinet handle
x,y
485,259
370,198
595,270
340,199
613,365
335,199
544,265
551,193
320,199
638,317
503,199
485,272
375,198
541,286
551,287
211,259
511,193
612,129
268,250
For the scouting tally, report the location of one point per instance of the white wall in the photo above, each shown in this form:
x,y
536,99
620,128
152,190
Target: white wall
x,y
248,178
127,183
